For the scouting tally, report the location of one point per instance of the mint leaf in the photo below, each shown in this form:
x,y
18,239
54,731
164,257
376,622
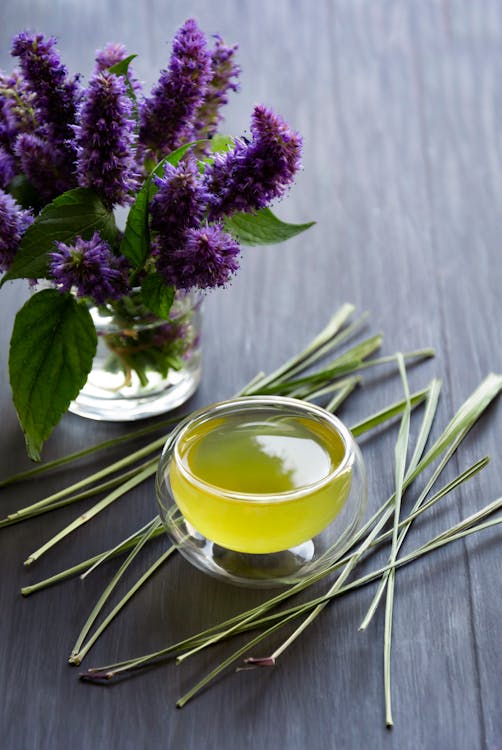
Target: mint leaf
x,y
122,68
51,351
157,295
135,244
24,193
136,240
262,228
76,212
220,142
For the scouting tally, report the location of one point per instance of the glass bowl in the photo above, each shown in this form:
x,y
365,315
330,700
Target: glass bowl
x,y
261,490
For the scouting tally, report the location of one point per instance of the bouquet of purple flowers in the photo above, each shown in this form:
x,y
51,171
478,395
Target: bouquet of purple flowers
x,y
70,154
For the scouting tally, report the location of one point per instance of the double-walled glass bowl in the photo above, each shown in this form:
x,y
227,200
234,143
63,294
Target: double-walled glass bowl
x,y
262,490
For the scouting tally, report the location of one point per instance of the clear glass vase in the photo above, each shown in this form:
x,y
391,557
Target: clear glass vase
x,y
144,365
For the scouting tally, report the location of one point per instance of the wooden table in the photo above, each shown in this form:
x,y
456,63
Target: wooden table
x,y
400,107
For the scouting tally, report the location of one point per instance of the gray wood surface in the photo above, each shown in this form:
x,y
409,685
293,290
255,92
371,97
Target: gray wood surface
x,y
400,106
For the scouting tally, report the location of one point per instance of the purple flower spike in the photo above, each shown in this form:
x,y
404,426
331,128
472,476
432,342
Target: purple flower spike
x,y
207,259
14,221
44,167
55,94
166,118
17,113
112,54
180,201
224,74
105,140
90,267
254,174
7,168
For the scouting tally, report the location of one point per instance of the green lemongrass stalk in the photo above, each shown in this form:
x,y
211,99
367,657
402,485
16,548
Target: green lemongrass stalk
x,y
317,344
330,346
152,526
446,458
116,610
334,403
109,588
86,565
400,454
270,660
96,490
309,393
346,367
463,420
381,588
97,508
113,670
50,465
389,412
458,531
341,365
111,469
202,636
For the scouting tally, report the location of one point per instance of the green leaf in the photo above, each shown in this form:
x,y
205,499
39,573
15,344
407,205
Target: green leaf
x,y
24,193
51,351
262,228
220,143
121,68
156,295
78,212
136,240
135,244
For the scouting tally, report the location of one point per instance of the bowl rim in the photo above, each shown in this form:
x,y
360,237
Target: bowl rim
x,y
243,402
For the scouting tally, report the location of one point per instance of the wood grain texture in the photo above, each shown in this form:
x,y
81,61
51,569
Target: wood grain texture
x,y
400,106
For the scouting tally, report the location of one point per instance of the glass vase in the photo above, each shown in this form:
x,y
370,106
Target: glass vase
x,y
144,365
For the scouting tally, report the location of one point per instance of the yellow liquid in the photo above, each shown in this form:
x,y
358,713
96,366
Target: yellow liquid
x,y
261,457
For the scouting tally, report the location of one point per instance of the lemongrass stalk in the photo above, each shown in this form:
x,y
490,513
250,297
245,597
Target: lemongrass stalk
x,y
85,648
447,537
381,588
334,404
400,453
50,465
271,660
341,365
111,469
463,420
308,393
96,490
85,565
74,657
389,412
322,338
97,508
152,525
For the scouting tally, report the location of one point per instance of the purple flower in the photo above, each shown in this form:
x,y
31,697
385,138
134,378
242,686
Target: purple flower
x,y
206,259
44,167
224,74
90,267
105,140
255,173
166,118
7,168
112,54
17,109
180,201
55,94
14,221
